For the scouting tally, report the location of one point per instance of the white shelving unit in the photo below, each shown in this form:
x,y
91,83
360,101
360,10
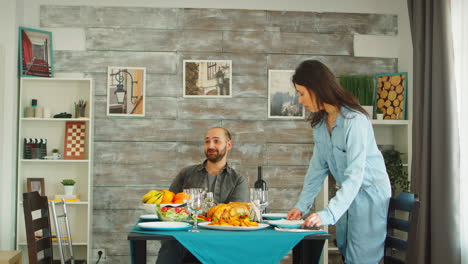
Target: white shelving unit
x,y
58,95
397,133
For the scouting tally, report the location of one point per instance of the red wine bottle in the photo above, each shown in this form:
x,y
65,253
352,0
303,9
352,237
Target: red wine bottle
x,y
260,183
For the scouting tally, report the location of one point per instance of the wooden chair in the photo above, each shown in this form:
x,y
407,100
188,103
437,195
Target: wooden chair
x,y
396,246
32,201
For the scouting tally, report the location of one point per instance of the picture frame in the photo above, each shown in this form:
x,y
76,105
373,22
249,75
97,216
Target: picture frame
x,y
36,53
36,184
126,88
207,78
390,95
283,100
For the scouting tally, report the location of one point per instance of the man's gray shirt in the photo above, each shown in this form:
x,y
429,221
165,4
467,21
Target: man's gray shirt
x,y
228,185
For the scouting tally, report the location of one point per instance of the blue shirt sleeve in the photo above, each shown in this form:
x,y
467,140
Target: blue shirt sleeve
x,y
356,152
316,173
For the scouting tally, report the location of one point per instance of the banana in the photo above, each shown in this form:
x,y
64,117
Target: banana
x,y
152,200
159,198
148,196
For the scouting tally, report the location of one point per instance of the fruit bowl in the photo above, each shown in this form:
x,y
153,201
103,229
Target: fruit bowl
x,y
169,213
151,208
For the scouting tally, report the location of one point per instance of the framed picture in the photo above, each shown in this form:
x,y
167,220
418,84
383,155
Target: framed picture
x,y
75,140
126,91
36,57
36,184
390,95
283,100
207,78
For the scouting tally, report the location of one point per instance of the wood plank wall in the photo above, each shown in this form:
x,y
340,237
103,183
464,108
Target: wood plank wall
x,y
133,155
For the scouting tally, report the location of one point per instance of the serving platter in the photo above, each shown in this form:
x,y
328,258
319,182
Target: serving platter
x,y
164,225
283,223
233,228
275,216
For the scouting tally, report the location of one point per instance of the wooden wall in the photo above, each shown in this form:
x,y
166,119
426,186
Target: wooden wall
x,y
133,155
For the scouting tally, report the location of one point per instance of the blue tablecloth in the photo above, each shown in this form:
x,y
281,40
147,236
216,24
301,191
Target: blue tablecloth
x,y
216,246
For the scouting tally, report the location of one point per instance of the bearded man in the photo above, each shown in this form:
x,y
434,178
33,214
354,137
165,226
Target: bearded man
x,y
214,175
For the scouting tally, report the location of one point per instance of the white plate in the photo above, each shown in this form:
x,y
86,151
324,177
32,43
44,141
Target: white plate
x,y
164,225
151,208
283,223
149,217
233,228
275,216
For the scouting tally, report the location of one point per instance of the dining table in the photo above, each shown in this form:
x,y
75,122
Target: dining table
x,y
266,245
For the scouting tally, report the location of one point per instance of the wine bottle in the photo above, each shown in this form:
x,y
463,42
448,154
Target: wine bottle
x,y
260,183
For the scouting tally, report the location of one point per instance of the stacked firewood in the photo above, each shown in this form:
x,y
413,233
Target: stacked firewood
x,y
391,95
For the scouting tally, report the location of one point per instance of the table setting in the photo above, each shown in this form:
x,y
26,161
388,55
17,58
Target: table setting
x,y
233,228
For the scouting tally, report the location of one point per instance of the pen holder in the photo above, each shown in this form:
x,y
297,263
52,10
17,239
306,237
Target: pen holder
x,y
80,112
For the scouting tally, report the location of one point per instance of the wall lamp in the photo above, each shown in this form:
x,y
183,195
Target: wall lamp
x,y
120,92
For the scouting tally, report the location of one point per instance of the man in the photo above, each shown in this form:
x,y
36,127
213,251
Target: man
x,y
214,175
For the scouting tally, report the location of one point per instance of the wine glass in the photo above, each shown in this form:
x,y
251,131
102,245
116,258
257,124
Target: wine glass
x,y
254,196
263,200
195,205
209,201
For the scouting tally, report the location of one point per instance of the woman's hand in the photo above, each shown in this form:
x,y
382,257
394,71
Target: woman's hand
x,y
312,220
294,214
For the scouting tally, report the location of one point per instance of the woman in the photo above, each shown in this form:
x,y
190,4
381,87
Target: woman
x,y
344,145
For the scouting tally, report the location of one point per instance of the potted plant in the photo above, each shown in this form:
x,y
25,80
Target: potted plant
x,y
396,172
69,186
56,153
362,87
379,113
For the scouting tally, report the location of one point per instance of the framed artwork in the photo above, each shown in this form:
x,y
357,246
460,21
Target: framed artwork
x,y
283,100
207,78
36,184
75,140
126,91
36,57
390,95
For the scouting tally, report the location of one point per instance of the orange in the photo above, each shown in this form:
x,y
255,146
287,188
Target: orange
x,y
168,196
181,196
178,201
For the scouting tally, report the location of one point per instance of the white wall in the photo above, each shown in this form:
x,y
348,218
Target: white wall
x,y
28,14
8,109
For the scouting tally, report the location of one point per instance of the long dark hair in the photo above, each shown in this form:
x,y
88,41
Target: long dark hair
x,y
320,80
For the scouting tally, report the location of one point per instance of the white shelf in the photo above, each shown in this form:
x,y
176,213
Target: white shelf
x,y
53,119
53,161
68,204
58,95
391,122
56,244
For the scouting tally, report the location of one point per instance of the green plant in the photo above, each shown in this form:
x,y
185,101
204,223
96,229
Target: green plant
x,y
378,111
55,151
397,174
68,182
361,86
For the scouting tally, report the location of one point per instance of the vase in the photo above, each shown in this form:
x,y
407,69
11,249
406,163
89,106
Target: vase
x,y
379,116
69,189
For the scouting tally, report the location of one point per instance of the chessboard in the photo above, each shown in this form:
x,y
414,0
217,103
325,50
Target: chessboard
x,y
75,134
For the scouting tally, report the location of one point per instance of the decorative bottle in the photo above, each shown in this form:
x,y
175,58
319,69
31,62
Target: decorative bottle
x,y
260,183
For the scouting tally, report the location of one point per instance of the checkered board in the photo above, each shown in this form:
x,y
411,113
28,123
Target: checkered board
x,y
74,147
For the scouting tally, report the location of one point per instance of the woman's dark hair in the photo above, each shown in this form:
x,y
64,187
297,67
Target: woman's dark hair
x,y
317,78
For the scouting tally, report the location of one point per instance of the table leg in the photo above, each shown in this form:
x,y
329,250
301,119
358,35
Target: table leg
x,y
139,253
308,251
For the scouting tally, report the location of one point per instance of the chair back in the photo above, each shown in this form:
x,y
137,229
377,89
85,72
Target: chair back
x,y
401,232
32,202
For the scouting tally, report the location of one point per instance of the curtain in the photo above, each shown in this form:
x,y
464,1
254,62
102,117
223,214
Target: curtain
x,y
435,168
460,45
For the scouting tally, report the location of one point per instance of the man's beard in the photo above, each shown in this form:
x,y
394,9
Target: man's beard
x,y
215,157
